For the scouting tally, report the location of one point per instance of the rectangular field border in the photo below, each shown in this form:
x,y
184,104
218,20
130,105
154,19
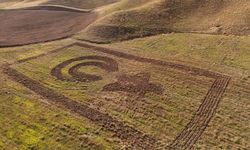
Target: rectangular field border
x,y
184,140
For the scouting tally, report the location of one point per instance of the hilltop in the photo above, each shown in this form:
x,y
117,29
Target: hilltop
x,y
125,19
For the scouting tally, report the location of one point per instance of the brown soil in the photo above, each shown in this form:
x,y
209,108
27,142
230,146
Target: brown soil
x,y
138,84
87,4
166,16
194,129
187,69
121,130
52,8
185,139
108,64
21,27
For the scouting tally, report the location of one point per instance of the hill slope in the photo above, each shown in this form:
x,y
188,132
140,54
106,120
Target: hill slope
x,y
84,4
41,24
164,16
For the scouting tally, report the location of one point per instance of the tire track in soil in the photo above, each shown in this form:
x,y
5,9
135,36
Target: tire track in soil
x,y
184,140
209,114
192,132
126,133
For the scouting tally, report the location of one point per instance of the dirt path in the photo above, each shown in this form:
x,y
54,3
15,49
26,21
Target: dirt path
x,y
41,24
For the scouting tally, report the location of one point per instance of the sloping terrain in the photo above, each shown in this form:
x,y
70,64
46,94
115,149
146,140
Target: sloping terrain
x,y
84,4
165,16
41,24
89,4
19,3
60,74
173,91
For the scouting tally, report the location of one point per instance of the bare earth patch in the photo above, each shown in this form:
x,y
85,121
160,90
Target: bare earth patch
x,y
21,27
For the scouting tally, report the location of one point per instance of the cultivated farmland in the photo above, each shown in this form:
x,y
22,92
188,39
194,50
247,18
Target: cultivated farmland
x,y
124,75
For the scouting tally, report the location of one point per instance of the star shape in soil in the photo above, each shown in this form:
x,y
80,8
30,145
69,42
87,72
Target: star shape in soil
x,y
139,84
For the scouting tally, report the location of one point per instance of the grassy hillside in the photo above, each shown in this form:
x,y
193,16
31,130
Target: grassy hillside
x,y
41,125
225,54
148,89
28,123
164,16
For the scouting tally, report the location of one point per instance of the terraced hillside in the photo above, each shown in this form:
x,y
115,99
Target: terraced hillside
x,y
172,75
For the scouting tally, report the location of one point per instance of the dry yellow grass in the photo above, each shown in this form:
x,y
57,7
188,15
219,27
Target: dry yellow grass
x,y
28,120
159,16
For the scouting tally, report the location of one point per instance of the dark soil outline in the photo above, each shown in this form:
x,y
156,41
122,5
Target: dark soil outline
x,y
138,84
188,69
120,130
102,62
184,140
